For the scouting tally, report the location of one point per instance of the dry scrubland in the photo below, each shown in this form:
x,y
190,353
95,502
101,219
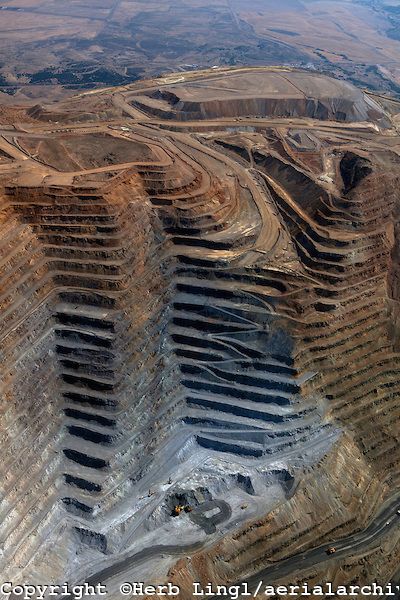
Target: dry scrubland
x,y
51,49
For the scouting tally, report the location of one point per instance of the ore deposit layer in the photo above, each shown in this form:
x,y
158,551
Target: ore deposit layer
x,y
200,307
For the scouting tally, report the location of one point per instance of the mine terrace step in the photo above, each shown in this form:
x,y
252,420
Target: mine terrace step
x,y
219,342
218,289
87,357
199,357
90,433
97,412
73,297
80,483
230,446
206,325
243,277
91,329
93,382
88,369
202,243
98,422
254,436
272,365
89,310
211,314
195,304
75,506
245,374
65,210
239,391
85,339
253,410
85,275
109,266
96,476
79,219
84,397
101,454
82,321
215,420
67,342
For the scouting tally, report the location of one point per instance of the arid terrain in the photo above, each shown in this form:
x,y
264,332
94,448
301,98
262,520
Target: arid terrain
x,y
200,333
51,49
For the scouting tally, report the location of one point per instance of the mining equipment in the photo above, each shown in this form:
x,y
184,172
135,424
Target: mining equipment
x,y
177,510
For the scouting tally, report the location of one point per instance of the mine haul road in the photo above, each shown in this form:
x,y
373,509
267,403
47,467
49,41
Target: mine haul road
x,y
380,525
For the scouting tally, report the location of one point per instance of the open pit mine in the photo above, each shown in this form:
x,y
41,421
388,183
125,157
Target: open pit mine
x,y
200,322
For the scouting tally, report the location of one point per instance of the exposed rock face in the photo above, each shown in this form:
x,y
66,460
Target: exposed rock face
x,y
211,322
271,94
336,338
85,319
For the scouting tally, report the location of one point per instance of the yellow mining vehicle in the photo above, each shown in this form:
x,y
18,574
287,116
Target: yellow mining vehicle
x,y
177,510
